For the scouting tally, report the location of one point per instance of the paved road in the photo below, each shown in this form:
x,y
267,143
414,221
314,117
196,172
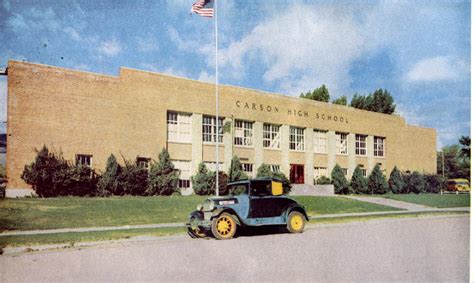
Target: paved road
x,y
423,250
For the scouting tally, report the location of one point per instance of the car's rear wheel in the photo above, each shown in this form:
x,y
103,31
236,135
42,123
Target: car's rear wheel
x,y
224,226
295,222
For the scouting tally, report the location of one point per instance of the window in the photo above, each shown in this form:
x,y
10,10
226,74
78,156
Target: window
x,y
144,162
185,172
320,171
179,127
319,141
209,129
212,166
84,160
243,133
275,168
271,136
341,143
247,168
364,171
379,146
296,138
361,145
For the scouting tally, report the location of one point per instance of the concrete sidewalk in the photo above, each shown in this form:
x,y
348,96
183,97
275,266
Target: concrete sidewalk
x,y
173,225
392,203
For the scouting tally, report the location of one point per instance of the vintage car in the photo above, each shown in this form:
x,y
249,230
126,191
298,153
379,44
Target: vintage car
x,y
254,202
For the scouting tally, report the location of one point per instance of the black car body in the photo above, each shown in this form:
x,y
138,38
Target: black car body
x,y
254,202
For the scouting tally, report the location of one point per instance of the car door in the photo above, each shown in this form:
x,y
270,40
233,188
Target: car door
x,y
267,206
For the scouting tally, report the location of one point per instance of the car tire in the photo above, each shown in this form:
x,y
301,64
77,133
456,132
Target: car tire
x,y
295,222
224,226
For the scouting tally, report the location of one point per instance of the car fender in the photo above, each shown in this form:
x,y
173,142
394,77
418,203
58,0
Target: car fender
x,y
296,207
218,211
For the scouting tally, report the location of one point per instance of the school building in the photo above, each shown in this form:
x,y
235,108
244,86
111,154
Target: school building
x,y
88,116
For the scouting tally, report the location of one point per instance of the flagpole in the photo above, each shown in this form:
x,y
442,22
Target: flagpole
x,y
217,101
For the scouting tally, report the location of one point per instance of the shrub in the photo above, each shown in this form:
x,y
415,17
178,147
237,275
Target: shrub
x,y
223,180
359,182
202,183
377,182
163,179
435,183
341,186
265,171
133,180
414,183
323,180
395,182
235,171
108,183
50,175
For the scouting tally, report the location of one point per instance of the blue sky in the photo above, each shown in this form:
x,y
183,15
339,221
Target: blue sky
x,y
418,50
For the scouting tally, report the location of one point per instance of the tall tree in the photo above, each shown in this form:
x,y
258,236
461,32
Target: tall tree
x,y
338,179
340,101
382,102
359,182
395,182
318,94
359,101
465,142
377,182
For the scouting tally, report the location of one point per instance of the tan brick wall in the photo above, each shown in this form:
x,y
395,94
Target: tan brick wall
x,y
80,112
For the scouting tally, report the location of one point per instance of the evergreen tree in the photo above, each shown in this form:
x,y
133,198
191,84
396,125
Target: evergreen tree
x,y
415,183
108,183
223,180
133,179
395,182
359,102
202,181
235,171
377,182
163,179
341,186
341,100
435,183
359,182
318,94
382,102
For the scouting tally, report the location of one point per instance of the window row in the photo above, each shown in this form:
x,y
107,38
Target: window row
x,y
179,130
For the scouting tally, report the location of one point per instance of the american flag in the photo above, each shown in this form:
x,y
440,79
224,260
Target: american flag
x,y
204,8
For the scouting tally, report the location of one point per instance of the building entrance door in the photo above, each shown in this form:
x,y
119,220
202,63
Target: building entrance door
x,y
297,173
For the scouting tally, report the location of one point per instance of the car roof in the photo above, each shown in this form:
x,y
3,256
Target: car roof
x,y
241,182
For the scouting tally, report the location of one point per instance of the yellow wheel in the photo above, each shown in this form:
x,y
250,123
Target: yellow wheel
x,y
295,222
224,226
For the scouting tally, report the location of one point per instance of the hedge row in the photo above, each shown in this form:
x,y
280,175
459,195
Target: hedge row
x,y
376,183
50,175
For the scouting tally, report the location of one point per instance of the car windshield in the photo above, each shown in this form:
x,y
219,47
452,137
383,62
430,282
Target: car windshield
x,y
238,189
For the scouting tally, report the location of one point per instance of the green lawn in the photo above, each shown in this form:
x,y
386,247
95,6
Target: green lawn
x,y
435,200
335,205
71,212
75,237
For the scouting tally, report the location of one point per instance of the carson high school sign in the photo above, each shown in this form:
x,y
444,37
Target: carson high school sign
x,y
290,112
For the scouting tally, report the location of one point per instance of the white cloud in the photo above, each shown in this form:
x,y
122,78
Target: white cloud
x,y
110,47
206,77
302,47
438,69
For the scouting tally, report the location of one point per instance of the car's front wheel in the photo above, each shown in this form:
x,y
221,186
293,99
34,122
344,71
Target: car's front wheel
x,y
224,226
295,222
